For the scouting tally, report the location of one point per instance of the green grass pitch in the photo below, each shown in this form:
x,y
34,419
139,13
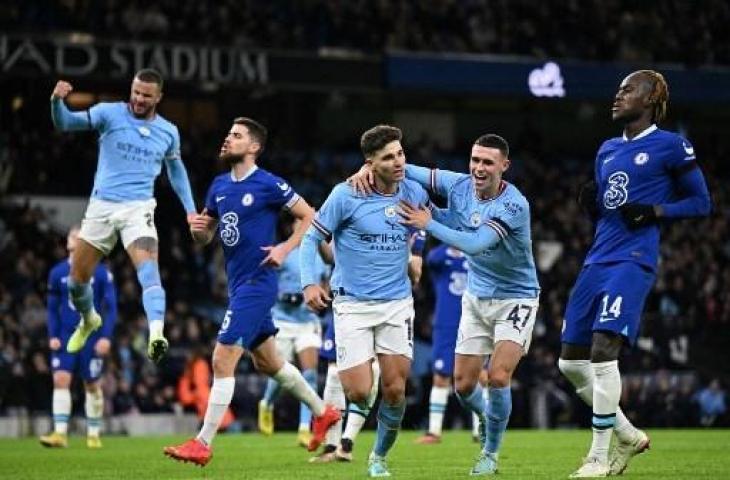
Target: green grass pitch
x,y
527,454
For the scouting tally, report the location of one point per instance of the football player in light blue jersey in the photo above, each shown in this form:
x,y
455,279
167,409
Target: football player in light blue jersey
x,y
339,445
242,207
62,320
134,142
646,176
300,335
488,219
373,305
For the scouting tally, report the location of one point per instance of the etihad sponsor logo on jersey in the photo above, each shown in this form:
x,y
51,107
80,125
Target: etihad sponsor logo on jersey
x,y
385,241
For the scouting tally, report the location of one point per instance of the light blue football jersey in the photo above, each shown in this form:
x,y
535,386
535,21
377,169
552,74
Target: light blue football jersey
x,y
131,149
507,270
370,244
289,275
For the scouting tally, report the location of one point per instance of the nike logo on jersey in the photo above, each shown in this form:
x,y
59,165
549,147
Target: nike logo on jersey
x,y
283,186
218,199
605,319
608,159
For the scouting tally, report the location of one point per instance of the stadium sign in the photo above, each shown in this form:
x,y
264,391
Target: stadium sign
x,y
81,55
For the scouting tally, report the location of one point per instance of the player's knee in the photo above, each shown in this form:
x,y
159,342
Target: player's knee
x,y
394,394
464,385
61,379
357,395
499,378
92,387
221,367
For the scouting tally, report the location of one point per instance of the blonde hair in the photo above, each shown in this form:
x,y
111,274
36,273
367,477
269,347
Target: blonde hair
x,y
659,96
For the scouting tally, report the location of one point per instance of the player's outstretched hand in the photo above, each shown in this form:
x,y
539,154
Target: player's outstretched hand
x,y
413,215
316,297
102,346
362,181
62,89
54,343
275,256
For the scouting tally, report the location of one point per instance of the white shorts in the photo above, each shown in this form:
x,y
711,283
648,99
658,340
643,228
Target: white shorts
x,y
366,328
104,221
294,337
484,322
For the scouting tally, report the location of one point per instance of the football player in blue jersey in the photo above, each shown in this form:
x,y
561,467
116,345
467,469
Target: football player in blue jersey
x,y
62,320
488,219
448,270
300,335
134,142
642,178
242,207
373,303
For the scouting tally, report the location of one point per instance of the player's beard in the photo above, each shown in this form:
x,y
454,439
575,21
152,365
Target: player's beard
x,y
146,113
230,158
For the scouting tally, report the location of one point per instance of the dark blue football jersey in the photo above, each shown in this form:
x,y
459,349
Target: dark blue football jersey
x,y
641,170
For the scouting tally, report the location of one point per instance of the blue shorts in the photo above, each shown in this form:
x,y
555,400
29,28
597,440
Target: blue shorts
x,y
444,345
248,322
607,297
85,360
328,351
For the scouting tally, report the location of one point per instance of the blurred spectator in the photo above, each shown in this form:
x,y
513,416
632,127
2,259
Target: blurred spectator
x,y
711,401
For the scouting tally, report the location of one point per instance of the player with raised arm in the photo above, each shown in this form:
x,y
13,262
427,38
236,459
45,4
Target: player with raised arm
x,y
89,361
134,142
373,303
242,207
641,179
300,335
488,219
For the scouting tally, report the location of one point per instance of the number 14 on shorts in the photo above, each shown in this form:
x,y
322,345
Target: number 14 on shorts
x,y
610,310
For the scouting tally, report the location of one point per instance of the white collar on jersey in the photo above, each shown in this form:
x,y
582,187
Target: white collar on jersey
x,y
245,176
646,132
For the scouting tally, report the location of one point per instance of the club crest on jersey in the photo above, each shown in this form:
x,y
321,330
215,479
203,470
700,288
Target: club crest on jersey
x,y
641,158
390,211
247,200
475,220
144,131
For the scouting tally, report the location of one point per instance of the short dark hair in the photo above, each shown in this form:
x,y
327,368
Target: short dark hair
x,y
150,75
492,140
255,129
378,137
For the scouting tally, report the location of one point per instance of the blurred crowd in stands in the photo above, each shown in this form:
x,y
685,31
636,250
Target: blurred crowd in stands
x,y
674,376
693,33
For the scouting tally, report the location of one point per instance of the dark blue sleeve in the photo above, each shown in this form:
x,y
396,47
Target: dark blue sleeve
x,y
109,309
695,197
54,306
689,183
